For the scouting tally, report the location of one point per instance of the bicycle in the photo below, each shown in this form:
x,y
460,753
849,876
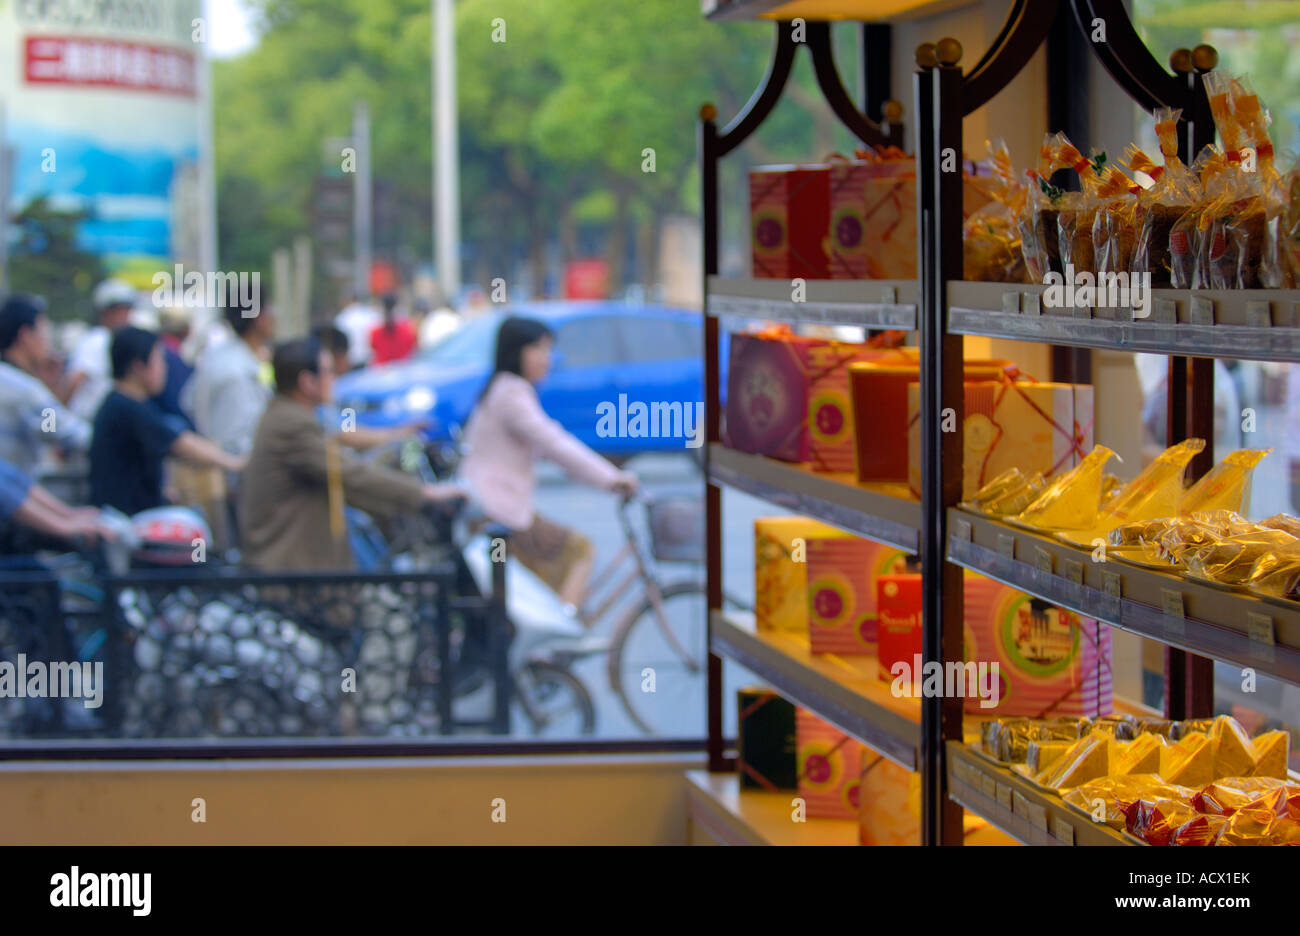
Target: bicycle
x,y
656,652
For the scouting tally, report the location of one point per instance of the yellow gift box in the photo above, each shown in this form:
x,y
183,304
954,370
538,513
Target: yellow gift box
x,y
1009,424
781,569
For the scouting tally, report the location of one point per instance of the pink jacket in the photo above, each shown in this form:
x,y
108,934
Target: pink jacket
x,y
507,433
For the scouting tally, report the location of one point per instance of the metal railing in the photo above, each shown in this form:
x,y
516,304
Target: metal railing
x,y
203,654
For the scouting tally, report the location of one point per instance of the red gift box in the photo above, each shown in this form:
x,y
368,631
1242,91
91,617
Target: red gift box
x,y
790,216
788,396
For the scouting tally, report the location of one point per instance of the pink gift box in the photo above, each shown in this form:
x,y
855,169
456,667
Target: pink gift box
x,y
842,577
829,768
788,397
1051,661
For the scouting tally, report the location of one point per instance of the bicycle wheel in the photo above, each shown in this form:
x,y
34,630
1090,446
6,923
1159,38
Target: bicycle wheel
x,y
553,702
658,669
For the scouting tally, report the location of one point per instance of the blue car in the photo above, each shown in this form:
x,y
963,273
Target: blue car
x,y
609,357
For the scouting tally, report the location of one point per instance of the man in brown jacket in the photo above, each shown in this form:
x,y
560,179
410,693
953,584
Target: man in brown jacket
x,y
298,480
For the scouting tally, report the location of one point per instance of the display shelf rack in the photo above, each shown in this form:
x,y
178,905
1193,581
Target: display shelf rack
x,y
844,691
1195,622
872,304
1018,807
727,816
883,512
1228,625
1249,324
740,10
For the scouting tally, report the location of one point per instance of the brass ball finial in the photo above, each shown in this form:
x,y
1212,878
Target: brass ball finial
x,y
893,111
1180,60
925,55
708,112
948,51
1205,57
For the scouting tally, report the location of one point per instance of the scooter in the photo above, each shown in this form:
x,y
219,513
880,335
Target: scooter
x,y
548,639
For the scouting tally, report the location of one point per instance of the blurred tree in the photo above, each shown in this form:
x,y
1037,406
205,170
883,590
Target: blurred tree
x,y
1254,38
562,110
46,259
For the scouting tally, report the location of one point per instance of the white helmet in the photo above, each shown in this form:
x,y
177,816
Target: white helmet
x,y
113,292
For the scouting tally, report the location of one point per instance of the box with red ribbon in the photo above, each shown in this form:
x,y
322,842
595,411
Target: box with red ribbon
x,y
873,213
789,208
1011,423
788,396
829,768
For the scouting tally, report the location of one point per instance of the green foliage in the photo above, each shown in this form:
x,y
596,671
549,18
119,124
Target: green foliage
x,y
556,118
1255,38
46,260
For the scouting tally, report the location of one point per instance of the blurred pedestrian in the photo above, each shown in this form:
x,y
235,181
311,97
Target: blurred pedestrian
x,y
437,324
89,370
132,436
298,480
357,320
175,325
334,343
32,420
23,503
394,338
507,433
230,387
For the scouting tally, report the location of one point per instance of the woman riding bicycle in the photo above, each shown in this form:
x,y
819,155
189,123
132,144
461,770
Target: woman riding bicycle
x,y
506,434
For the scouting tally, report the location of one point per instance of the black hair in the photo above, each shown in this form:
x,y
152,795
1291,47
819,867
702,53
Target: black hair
x,y
515,334
292,359
130,344
390,307
21,310
332,338
235,308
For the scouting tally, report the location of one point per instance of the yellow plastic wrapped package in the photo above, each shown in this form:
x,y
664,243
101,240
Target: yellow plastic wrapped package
x,y
1226,486
1236,560
1087,759
1155,492
1073,500
1119,794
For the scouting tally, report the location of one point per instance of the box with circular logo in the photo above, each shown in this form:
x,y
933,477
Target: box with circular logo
x,y
789,209
788,396
1050,661
829,768
842,576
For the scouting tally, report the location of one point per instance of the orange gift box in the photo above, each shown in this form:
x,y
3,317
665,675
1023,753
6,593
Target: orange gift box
x,y
880,413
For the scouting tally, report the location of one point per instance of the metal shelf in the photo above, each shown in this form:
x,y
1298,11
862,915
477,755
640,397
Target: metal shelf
x,y
882,512
731,816
1250,324
1210,622
868,303
1019,808
844,691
